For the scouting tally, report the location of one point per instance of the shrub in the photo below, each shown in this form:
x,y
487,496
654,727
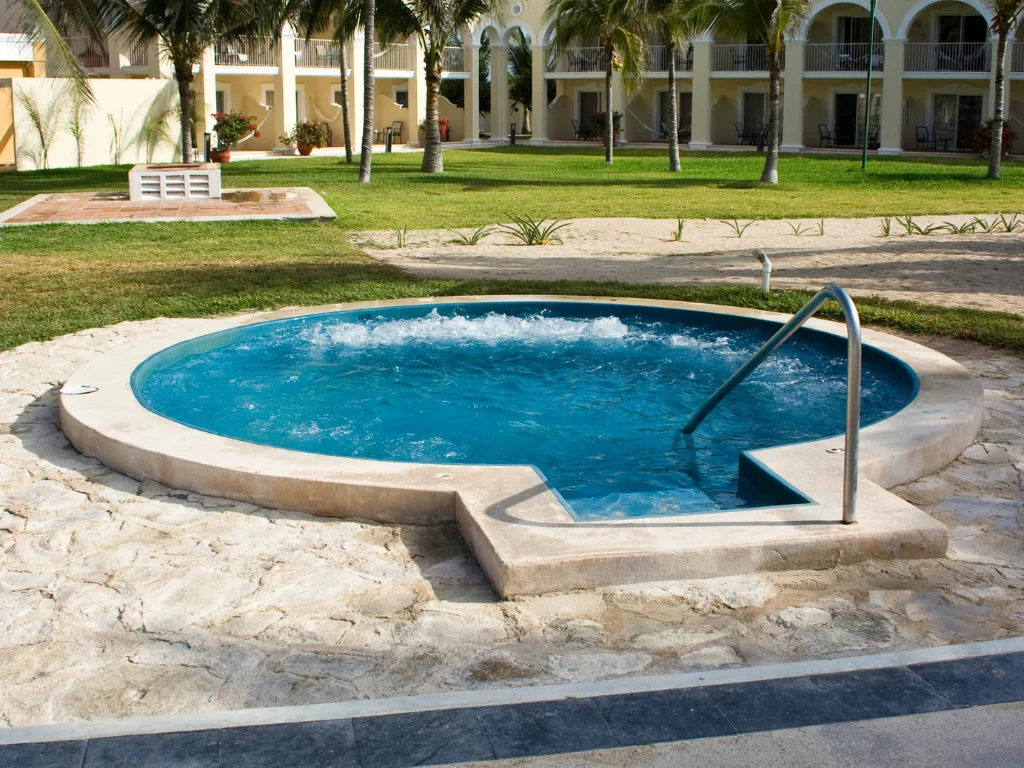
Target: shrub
x,y
597,120
306,133
983,138
231,127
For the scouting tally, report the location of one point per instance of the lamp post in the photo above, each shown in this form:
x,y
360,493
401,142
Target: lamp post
x,y
867,88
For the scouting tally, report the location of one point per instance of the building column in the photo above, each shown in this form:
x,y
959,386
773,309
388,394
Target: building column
x,y
356,61
417,93
499,93
793,98
284,85
619,104
117,56
471,92
539,94
700,127
205,103
890,137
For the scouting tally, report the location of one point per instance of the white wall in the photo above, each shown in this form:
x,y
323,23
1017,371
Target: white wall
x,y
127,103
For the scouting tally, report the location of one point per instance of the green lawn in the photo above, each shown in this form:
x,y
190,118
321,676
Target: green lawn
x,y
58,279
484,186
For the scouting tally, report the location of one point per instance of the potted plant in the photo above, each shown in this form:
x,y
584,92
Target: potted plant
x,y
445,127
597,120
983,138
231,127
306,136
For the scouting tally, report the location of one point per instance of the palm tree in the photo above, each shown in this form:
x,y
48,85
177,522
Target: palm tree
x,y
313,15
619,27
185,29
366,147
677,22
1004,19
768,22
520,75
435,23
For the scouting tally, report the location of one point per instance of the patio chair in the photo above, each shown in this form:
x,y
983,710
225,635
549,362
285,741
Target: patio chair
x,y
925,138
874,141
824,136
739,60
577,132
664,132
742,134
684,134
396,131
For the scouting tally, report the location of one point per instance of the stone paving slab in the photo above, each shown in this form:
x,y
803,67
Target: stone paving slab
x,y
123,598
285,204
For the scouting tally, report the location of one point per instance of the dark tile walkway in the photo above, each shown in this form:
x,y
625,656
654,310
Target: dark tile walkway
x,y
555,727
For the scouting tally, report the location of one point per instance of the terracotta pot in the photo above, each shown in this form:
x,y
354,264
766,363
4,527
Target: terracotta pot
x,y
604,141
305,149
220,155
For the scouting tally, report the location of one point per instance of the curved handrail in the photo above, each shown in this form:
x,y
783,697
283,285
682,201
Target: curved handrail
x,y
853,367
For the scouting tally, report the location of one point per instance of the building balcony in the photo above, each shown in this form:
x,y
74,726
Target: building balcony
x,y
393,56
1017,57
657,59
90,54
842,57
245,53
454,61
741,58
317,54
947,57
578,60
138,54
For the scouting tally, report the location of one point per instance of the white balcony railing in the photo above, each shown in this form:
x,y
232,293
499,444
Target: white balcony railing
x,y
741,58
454,59
1017,58
324,54
138,54
947,57
90,54
578,60
657,59
842,57
393,56
245,53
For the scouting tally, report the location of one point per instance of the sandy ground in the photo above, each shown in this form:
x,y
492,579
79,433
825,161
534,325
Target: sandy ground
x,y
122,598
981,270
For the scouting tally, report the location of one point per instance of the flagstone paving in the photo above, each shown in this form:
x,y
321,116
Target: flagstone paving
x,y
120,597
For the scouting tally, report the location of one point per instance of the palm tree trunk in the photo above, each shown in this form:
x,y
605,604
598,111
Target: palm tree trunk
x,y
184,77
771,160
527,128
609,123
433,160
995,150
366,153
673,120
344,104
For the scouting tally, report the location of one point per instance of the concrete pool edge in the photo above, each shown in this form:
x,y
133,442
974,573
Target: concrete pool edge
x,y
519,531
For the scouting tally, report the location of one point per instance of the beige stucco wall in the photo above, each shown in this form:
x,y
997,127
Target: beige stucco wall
x,y
125,102
456,118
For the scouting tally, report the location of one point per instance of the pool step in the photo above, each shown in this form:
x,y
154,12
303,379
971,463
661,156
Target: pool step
x,y
675,501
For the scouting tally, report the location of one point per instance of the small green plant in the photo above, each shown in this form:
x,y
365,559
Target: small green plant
x,y
472,238
987,227
960,229
531,232
887,227
821,227
798,228
117,141
402,236
156,130
1012,224
677,236
46,121
76,127
907,222
736,227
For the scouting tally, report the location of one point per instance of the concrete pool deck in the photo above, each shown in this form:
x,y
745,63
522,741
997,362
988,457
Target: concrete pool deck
x,y
121,598
518,529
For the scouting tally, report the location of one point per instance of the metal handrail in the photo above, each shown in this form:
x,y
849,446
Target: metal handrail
x,y
853,355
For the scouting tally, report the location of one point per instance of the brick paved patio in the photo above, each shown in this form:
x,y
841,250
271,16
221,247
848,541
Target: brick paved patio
x,y
296,204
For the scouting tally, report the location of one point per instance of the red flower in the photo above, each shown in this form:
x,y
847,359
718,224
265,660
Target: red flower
x,y
257,134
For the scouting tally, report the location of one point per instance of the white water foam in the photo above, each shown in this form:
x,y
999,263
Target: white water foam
x,y
492,328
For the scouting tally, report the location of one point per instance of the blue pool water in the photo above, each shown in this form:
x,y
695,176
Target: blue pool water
x,y
593,395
